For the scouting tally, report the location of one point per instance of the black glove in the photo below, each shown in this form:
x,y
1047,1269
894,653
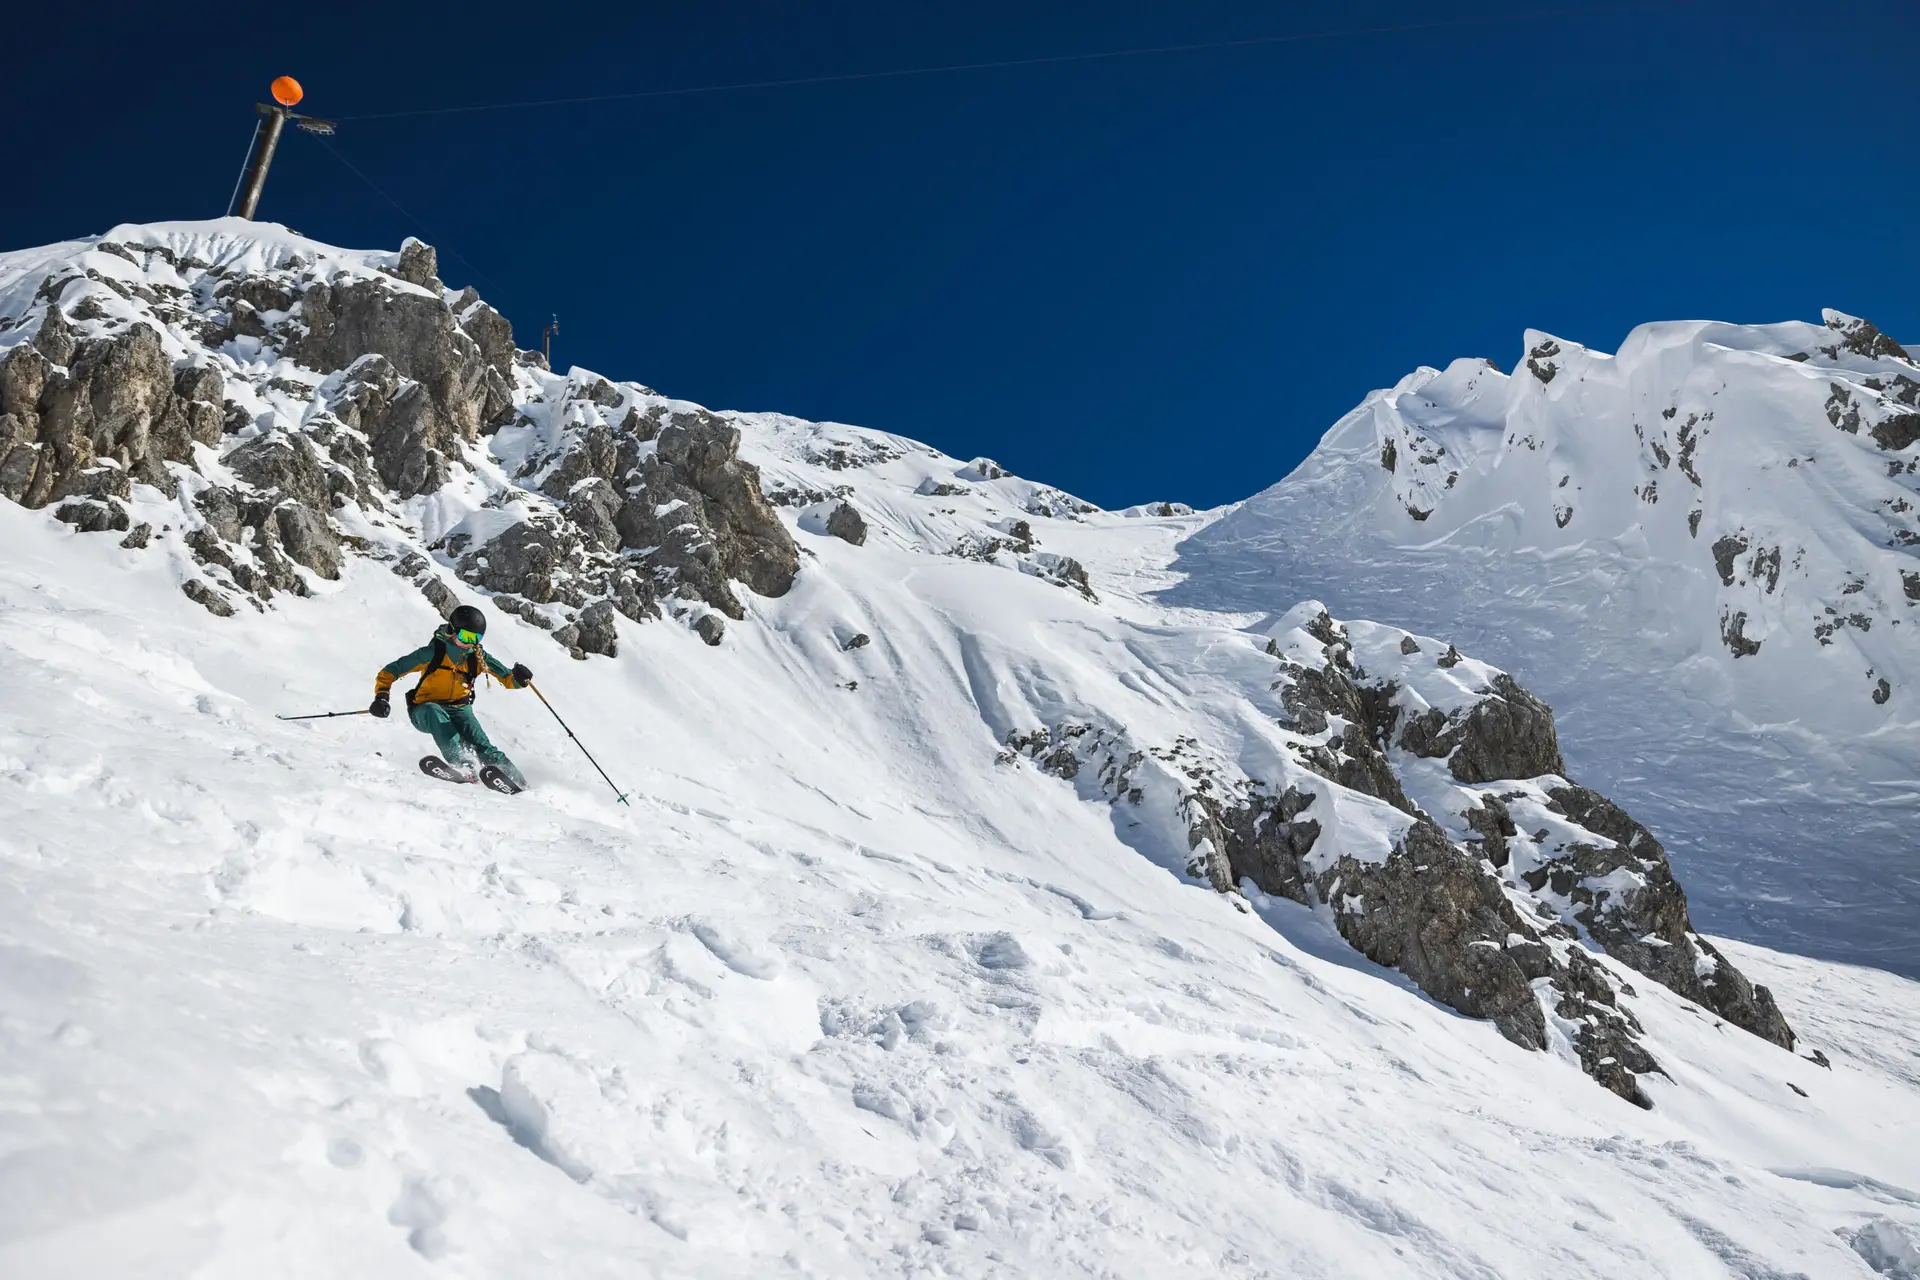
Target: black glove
x,y
521,675
380,708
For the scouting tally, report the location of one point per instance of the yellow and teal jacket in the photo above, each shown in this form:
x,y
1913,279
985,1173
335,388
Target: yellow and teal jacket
x,y
451,676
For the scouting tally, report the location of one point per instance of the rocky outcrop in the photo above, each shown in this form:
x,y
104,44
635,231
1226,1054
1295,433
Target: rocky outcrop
x,y
419,336
1423,904
1061,571
545,559
68,404
667,494
384,385
1861,337
1507,734
1492,915
1640,917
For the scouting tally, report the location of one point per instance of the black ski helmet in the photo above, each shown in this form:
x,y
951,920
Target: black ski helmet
x,y
467,618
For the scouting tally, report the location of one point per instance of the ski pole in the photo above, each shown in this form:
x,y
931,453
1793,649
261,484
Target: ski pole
x,y
325,715
576,742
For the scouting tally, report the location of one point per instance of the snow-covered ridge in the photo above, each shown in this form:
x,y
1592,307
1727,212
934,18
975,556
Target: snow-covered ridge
x,y
981,912
1704,550
1780,456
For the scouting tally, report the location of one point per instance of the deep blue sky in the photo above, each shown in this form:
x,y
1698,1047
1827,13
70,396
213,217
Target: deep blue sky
x,y
1140,278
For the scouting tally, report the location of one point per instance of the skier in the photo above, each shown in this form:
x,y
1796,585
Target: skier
x,y
442,703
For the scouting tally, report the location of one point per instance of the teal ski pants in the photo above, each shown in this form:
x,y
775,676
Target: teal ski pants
x,y
457,732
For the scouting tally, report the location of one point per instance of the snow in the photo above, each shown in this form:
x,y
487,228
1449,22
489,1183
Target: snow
x,y
1598,534
846,991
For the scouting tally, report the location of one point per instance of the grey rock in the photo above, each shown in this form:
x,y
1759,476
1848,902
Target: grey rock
x,y
703,519
600,392
1863,339
419,264
492,333
107,480
597,629
138,539
710,627
594,507
1444,903
525,559
1646,926
94,515
1494,825
1508,734
55,338
224,512
418,336
845,523
594,454
22,473
308,537
859,640
1265,841
1540,362
1065,571
1423,911
440,596
1897,431
1726,551
114,398
1733,625
549,558
408,437
206,597
287,465
1433,912
194,415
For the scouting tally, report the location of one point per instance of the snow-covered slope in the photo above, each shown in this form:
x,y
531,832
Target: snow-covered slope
x,y
1703,550
912,955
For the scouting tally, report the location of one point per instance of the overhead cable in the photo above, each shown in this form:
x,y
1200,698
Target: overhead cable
x,y
380,191
1437,24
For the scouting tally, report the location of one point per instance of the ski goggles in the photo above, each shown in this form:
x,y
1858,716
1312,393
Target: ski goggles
x,y
468,638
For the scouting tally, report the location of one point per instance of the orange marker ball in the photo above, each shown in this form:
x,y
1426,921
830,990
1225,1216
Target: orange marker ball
x,y
287,91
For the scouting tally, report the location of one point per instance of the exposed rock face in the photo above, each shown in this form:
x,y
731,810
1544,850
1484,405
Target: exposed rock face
x,y
844,523
1476,900
667,494
384,386
67,404
1508,735
1061,571
1861,337
419,336
544,559
726,530
1644,922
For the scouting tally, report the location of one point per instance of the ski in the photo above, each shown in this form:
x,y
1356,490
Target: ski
x,y
498,781
435,767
